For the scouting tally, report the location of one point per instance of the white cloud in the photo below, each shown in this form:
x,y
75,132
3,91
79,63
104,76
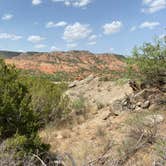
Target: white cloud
x,y
133,28
75,3
92,37
91,43
152,6
54,48
81,3
38,46
113,27
9,36
36,2
147,1
72,45
51,24
35,39
150,25
7,17
76,32
61,24
92,40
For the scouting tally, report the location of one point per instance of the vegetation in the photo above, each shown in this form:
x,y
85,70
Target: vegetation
x,y
79,106
148,63
8,54
61,76
26,105
160,148
56,77
47,99
141,133
15,112
29,101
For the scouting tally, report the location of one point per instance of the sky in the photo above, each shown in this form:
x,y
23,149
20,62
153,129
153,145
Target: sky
x,y
100,26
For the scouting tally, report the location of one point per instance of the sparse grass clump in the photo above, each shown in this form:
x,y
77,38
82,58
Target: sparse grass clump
x,y
140,134
79,106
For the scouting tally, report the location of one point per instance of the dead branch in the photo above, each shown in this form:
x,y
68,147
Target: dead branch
x,y
42,162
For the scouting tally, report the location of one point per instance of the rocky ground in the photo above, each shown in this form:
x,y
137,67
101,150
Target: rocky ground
x,y
96,136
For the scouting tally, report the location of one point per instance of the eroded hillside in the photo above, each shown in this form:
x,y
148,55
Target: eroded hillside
x,y
78,63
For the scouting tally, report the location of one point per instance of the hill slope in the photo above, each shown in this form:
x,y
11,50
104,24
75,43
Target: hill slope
x,y
9,54
77,63
103,129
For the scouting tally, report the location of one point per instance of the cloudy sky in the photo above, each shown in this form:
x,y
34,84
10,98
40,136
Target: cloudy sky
x,y
94,25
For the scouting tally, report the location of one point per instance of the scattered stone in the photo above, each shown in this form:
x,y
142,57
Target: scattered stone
x,y
139,104
124,102
146,104
93,100
59,136
73,84
138,108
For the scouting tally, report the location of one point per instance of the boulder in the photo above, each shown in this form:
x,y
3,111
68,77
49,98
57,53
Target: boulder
x,y
117,107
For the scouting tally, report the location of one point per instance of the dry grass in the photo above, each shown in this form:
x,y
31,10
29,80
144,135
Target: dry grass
x,y
82,143
88,140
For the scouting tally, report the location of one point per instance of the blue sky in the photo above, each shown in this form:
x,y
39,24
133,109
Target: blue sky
x,y
94,25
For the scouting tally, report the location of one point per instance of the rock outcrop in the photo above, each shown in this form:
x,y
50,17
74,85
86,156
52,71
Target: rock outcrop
x,y
142,100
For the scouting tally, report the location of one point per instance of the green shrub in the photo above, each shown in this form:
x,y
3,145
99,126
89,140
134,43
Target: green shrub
x,y
15,112
48,100
61,76
79,105
148,63
19,124
23,145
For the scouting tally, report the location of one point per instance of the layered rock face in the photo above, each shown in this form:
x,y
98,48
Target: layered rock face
x,y
81,63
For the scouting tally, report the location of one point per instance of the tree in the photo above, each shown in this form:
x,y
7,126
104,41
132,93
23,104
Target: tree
x,y
148,63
